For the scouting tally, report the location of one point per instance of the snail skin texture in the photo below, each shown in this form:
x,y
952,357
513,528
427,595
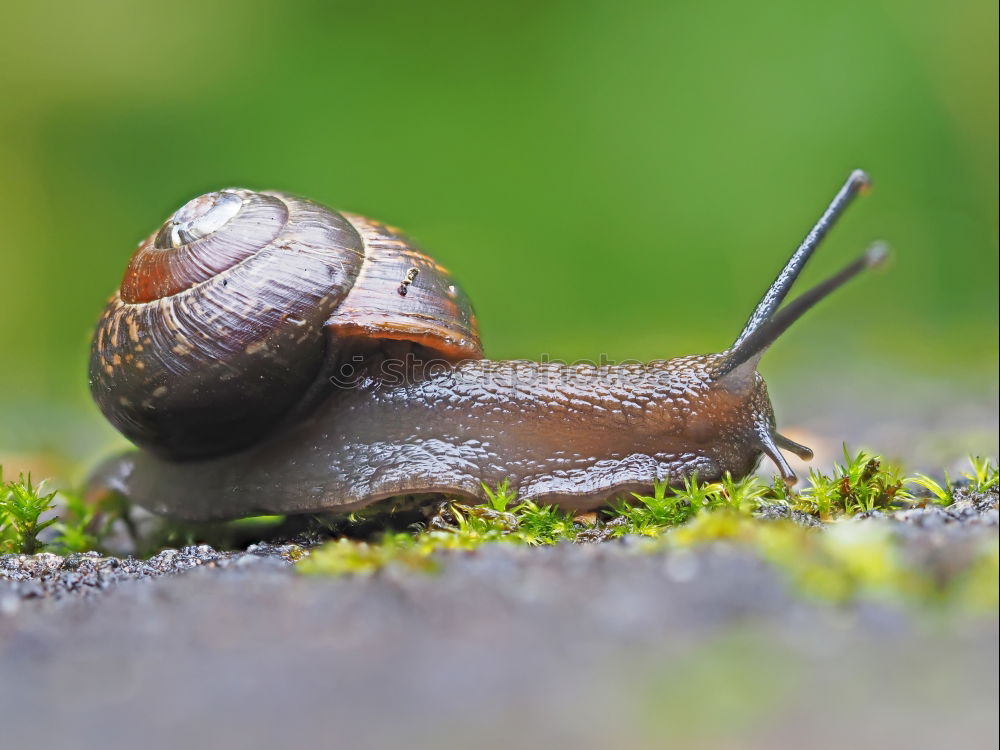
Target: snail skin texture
x,y
269,355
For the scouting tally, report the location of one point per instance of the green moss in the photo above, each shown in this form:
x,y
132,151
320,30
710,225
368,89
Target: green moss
x,y
21,507
981,478
347,556
841,562
863,482
81,526
650,515
457,526
850,560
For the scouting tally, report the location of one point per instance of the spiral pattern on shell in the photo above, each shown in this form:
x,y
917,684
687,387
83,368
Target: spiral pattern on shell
x,y
231,312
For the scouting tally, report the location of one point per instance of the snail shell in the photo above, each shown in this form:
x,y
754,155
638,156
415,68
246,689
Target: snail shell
x,y
232,316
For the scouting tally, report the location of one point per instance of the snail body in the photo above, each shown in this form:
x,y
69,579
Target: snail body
x,y
354,373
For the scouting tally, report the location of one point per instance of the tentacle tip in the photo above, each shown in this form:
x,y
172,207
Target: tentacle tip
x,y
861,181
769,446
877,255
802,451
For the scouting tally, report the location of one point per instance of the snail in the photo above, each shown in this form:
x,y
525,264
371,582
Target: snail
x,y
269,355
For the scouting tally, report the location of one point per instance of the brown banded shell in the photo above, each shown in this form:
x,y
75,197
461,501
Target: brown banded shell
x,y
228,313
434,313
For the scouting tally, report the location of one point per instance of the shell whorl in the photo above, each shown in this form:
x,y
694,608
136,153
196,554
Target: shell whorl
x,y
227,315
206,236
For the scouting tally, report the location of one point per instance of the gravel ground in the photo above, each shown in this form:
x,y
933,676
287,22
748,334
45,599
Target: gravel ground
x,y
591,645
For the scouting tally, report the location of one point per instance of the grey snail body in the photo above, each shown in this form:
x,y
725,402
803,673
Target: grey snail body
x,y
396,398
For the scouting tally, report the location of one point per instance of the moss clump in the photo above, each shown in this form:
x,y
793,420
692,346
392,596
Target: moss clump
x,y
21,508
982,478
348,556
862,483
650,515
26,510
456,526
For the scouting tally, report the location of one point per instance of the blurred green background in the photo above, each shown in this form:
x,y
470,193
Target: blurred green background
x,y
603,177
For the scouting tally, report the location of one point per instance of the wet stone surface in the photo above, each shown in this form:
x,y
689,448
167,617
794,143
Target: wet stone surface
x,y
774,512
48,575
591,645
